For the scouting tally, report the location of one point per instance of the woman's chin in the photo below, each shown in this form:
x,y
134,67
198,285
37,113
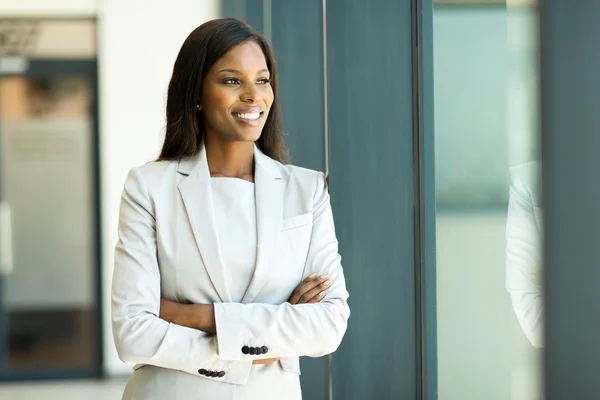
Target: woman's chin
x,y
248,136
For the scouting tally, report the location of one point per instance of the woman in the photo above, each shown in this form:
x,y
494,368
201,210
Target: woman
x,y
227,267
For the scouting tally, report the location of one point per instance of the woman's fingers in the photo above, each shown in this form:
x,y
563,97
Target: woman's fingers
x,y
306,285
311,290
316,294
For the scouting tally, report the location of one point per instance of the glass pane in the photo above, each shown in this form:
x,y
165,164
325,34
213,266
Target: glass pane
x,y
46,180
489,225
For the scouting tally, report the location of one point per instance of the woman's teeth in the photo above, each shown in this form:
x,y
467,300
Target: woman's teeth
x,y
249,116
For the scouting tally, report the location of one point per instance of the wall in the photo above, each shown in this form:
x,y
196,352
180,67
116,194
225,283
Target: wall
x,y
371,169
139,41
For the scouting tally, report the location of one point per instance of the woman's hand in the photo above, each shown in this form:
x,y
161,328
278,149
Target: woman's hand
x,y
311,290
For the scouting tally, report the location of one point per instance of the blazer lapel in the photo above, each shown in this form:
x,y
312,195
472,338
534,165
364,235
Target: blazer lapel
x,y
196,193
269,187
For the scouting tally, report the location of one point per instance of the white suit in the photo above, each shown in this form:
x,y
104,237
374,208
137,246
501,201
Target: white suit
x,y
168,247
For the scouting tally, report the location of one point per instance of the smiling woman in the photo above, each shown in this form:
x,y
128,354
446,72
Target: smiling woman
x,y
218,90
236,102
227,267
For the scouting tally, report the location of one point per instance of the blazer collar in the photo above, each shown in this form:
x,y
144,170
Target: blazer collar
x,y
188,164
196,193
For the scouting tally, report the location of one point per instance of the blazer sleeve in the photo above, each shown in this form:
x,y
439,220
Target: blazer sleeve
x,y
523,262
141,337
293,330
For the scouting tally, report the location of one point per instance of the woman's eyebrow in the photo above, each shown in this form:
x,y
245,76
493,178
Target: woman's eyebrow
x,y
235,71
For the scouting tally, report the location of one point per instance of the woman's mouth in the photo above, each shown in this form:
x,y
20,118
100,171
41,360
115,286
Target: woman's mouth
x,y
251,118
248,116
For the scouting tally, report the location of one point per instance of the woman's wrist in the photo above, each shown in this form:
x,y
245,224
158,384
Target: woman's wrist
x,y
204,315
195,316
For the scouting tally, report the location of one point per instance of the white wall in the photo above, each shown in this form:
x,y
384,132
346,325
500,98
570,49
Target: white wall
x,y
138,43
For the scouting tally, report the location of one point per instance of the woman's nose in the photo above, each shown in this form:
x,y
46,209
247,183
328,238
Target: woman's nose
x,y
251,94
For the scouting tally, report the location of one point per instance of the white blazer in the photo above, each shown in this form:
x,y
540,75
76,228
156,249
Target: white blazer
x,y
168,247
524,250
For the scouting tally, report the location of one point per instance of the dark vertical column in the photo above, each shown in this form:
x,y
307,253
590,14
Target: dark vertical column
x,y
298,41
425,226
372,184
250,11
255,14
570,89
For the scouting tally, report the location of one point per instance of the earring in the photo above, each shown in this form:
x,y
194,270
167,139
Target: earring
x,y
198,107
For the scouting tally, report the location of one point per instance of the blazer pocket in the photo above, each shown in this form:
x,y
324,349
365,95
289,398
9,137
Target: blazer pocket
x,y
297,221
290,364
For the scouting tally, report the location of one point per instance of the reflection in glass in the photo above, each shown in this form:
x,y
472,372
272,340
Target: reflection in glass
x,y
524,250
489,215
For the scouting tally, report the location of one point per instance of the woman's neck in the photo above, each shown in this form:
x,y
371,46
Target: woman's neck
x,y
232,160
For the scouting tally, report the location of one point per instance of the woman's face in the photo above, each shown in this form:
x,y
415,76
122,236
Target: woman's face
x,y
237,95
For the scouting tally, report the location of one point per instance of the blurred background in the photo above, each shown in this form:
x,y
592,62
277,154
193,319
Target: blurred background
x,y
82,98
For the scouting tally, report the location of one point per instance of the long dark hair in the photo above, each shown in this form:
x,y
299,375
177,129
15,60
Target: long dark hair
x,y
200,51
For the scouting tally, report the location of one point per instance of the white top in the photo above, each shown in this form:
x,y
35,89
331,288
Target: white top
x,y
235,214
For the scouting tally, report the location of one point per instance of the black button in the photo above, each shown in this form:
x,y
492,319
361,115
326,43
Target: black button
x,y
265,349
221,374
214,374
246,350
253,351
259,351
202,371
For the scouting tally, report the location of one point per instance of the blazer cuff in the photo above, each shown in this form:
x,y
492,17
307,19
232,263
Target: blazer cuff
x,y
234,341
237,372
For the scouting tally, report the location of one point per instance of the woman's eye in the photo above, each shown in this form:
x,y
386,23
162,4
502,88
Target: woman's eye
x,y
236,81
